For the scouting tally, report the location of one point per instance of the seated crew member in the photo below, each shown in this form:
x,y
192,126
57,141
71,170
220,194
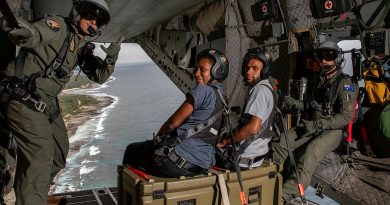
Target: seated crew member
x,y
330,110
252,133
181,147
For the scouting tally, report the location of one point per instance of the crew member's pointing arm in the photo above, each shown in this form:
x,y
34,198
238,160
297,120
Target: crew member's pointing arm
x,y
94,67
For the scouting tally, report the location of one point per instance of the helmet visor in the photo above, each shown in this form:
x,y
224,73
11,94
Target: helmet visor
x,y
93,12
326,54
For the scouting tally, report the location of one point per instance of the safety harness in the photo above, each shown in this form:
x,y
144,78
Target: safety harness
x,y
330,96
207,131
23,89
266,133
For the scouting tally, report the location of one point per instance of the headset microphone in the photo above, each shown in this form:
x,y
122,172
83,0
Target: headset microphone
x,y
92,32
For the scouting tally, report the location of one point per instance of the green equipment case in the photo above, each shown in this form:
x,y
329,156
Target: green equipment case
x,y
262,186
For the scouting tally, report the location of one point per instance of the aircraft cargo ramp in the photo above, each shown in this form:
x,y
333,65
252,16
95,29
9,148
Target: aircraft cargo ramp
x,y
354,179
102,196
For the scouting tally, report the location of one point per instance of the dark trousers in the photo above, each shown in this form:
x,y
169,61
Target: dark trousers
x,y
42,151
318,146
140,155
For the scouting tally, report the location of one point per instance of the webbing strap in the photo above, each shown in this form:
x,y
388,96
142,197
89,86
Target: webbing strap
x,y
59,59
19,64
201,126
222,186
205,124
251,160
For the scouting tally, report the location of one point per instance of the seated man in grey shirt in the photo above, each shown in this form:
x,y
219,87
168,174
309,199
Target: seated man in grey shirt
x,y
252,134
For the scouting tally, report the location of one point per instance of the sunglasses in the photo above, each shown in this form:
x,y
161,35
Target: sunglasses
x,y
326,54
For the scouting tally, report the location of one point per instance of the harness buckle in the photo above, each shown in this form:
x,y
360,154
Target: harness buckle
x,y
56,64
250,161
50,73
40,106
28,96
157,139
11,86
166,151
181,162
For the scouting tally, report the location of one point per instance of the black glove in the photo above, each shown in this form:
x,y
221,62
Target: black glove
x,y
112,52
315,105
293,103
309,128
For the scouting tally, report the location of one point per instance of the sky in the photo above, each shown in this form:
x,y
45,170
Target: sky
x,y
133,53
130,53
347,45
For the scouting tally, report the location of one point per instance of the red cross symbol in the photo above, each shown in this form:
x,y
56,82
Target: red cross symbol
x,y
328,5
264,8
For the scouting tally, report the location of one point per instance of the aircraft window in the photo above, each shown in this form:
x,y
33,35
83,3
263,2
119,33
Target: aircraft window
x,y
347,45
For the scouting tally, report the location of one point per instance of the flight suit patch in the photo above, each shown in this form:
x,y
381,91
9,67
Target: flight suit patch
x,y
53,24
349,88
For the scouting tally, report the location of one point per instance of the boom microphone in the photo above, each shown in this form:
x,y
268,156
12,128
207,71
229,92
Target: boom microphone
x,y
302,88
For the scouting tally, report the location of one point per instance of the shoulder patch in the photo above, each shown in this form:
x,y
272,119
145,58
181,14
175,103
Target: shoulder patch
x,y
53,24
349,88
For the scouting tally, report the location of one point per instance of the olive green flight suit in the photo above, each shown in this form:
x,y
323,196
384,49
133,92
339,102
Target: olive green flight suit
x,y
42,136
329,125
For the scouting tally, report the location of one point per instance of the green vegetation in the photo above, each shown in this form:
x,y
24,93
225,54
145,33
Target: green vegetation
x,y
71,103
81,82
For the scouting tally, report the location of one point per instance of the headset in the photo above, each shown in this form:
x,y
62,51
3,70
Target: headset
x,y
220,69
332,50
260,55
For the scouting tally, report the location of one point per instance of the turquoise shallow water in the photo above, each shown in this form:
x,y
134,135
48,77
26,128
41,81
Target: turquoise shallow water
x,y
144,99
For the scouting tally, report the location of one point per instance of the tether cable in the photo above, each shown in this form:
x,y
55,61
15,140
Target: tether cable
x,y
301,189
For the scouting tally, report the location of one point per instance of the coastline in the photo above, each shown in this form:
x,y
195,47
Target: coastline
x,y
73,122
85,113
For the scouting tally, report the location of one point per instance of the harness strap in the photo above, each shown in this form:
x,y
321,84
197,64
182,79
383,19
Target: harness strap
x,y
22,88
55,65
180,162
201,126
218,111
330,93
250,160
19,64
24,97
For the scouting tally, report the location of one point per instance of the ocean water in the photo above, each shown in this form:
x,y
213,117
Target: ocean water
x,y
143,99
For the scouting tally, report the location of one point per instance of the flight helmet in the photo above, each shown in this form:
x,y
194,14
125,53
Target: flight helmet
x,y
220,69
329,51
260,55
90,9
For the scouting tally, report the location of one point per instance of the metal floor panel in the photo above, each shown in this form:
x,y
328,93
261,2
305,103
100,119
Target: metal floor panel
x,y
101,196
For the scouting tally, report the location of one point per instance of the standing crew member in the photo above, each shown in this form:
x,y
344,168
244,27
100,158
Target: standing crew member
x,y
184,145
330,110
50,50
252,133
